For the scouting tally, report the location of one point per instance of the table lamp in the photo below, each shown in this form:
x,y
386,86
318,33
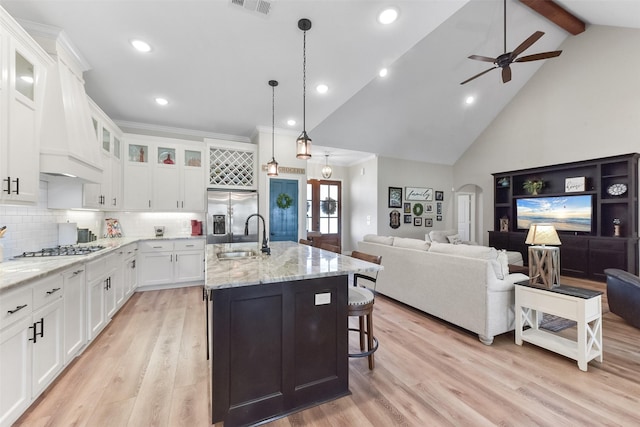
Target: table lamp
x,y
544,261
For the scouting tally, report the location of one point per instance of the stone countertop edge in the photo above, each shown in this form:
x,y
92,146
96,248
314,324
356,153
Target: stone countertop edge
x,y
289,261
20,271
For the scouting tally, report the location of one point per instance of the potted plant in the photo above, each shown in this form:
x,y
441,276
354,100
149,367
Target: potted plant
x,y
533,185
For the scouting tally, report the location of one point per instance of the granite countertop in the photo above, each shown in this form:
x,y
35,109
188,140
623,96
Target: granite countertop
x,y
288,261
20,271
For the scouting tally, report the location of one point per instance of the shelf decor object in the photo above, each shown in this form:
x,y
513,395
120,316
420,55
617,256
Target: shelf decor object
x,y
272,166
303,143
544,261
533,185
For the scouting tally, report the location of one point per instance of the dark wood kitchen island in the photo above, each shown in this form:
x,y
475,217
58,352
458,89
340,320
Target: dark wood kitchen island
x,y
279,329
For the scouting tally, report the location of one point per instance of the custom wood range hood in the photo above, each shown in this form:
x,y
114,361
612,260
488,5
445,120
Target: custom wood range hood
x,y
68,143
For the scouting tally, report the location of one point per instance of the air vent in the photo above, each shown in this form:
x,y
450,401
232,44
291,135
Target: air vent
x,y
259,6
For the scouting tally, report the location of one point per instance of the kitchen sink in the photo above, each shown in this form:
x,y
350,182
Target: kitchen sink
x,y
227,256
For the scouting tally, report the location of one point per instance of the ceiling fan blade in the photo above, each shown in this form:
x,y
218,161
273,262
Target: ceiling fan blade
x,y
477,75
482,58
527,43
537,56
506,74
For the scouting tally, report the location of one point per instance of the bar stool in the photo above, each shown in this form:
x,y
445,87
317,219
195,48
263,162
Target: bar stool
x,y
360,304
329,247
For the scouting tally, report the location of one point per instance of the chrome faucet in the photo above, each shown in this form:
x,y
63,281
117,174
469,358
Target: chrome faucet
x,y
265,248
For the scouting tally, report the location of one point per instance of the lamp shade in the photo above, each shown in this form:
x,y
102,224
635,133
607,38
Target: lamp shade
x,y
542,234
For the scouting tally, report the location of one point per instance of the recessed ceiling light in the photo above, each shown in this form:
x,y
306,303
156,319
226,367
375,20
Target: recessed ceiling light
x,y
388,16
322,88
161,101
383,72
141,46
469,100
291,122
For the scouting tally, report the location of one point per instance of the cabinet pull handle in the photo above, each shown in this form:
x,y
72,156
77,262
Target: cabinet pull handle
x,y
149,202
35,330
114,202
41,327
190,246
53,291
157,247
34,333
177,204
133,264
8,181
77,272
182,204
17,309
176,257
17,181
171,258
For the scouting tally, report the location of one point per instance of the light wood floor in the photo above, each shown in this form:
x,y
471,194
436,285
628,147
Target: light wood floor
x,y
148,368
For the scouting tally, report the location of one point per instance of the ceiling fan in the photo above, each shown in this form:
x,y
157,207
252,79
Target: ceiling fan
x,y
505,60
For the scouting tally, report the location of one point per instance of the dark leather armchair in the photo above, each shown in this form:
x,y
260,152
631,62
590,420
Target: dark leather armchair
x,y
623,295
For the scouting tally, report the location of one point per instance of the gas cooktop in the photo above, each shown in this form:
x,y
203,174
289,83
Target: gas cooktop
x,y
61,251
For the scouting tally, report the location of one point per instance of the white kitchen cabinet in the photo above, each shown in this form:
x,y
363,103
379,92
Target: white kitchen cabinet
x,y
130,270
15,353
167,263
22,77
100,295
75,324
163,174
31,343
117,280
107,194
137,175
15,370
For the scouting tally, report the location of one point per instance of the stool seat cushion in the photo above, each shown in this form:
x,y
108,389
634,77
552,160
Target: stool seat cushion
x,y
360,296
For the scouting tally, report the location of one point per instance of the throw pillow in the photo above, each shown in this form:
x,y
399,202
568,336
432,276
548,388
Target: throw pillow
x,y
440,236
374,238
408,243
455,239
427,238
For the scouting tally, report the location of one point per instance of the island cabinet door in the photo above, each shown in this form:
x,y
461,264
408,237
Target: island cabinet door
x,y
278,348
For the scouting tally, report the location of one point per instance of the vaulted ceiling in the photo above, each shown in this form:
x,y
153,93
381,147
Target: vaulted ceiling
x,y
212,61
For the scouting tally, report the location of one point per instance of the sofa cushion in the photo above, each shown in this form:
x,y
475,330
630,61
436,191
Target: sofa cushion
x,y
408,243
503,261
382,240
479,252
440,236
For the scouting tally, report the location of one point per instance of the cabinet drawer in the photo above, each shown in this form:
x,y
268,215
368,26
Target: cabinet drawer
x,y
96,269
47,290
189,245
155,246
19,301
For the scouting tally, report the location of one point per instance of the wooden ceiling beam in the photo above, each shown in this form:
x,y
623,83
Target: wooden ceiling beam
x,y
556,14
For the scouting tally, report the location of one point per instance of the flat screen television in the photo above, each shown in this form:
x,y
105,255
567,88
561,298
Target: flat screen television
x,y
567,213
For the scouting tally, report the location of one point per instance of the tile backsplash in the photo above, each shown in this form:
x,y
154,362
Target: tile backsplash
x,y
30,228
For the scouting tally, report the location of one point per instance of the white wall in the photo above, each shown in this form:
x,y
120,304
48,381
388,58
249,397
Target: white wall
x,y
363,201
403,173
581,105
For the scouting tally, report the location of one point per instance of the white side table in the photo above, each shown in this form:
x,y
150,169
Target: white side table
x,y
581,305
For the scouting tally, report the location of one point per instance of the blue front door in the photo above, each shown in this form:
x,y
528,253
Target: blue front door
x,y
283,210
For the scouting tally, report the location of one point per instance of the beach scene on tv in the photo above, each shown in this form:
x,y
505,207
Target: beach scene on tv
x,y
565,213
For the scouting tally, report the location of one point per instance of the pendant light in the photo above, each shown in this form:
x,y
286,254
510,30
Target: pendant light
x,y
272,166
326,170
303,143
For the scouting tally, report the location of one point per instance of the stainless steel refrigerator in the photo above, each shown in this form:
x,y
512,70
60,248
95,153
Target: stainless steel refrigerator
x,y
227,213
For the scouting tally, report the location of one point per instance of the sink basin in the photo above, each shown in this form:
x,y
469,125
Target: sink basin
x,y
226,256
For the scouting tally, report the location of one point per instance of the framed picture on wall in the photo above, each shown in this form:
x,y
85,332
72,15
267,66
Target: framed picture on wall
x,y
428,222
407,208
407,219
439,195
438,217
439,208
395,197
417,221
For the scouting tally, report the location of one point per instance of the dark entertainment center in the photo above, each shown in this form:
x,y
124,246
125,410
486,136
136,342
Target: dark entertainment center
x,y
611,183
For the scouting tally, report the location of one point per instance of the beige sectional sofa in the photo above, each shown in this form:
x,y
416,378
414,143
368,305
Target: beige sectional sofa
x,y
466,285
